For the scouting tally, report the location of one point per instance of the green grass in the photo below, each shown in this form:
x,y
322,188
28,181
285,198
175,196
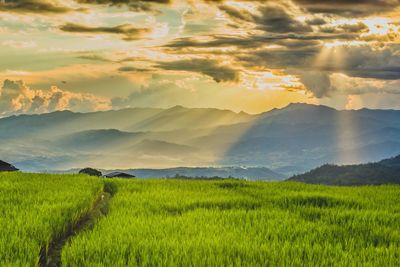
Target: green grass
x,y
238,223
35,208
199,223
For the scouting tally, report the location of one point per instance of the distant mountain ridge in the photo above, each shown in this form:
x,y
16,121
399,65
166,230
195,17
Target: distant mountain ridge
x,y
223,172
254,173
129,120
383,172
290,140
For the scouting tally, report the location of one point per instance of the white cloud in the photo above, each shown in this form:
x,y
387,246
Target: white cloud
x,y
16,97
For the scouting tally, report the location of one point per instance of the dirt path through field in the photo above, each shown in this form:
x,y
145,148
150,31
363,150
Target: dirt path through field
x,y
100,209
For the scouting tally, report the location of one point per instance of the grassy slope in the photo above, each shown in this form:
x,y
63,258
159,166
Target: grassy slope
x,y
226,223
34,208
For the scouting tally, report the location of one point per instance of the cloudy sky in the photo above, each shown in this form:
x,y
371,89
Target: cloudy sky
x,y
87,55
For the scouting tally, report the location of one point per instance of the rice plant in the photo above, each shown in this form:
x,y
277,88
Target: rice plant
x,y
37,208
239,223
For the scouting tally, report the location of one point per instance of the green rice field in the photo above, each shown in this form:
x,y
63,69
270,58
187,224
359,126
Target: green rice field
x,y
175,222
238,223
37,208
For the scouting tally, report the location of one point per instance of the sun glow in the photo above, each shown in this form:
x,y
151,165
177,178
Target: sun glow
x,y
330,56
343,43
374,26
268,80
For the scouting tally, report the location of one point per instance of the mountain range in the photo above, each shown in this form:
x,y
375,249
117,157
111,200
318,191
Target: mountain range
x,y
251,173
290,140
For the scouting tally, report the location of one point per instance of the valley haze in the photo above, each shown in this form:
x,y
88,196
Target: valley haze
x,y
288,141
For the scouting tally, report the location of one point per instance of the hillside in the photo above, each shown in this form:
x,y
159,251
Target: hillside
x,y
384,172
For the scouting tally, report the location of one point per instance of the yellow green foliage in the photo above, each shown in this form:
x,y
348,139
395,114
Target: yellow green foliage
x,y
239,223
36,208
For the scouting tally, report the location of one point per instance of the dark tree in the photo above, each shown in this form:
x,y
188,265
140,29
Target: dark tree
x,y
91,172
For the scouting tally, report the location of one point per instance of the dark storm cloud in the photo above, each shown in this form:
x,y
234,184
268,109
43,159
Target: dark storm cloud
x,y
357,28
33,6
276,19
272,18
253,40
357,61
348,28
348,8
366,62
237,14
281,27
316,21
317,82
94,57
209,67
284,42
300,58
133,69
380,72
137,5
345,8
128,31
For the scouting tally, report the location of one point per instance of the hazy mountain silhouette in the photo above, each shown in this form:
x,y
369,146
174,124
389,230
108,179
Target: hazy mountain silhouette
x,y
223,172
161,147
290,140
384,172
307,136
96,140
251,173
130,120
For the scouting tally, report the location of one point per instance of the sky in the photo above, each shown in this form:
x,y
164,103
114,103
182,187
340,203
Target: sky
x,y
252,56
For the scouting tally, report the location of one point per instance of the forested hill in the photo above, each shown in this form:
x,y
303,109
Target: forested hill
x,y
384,172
